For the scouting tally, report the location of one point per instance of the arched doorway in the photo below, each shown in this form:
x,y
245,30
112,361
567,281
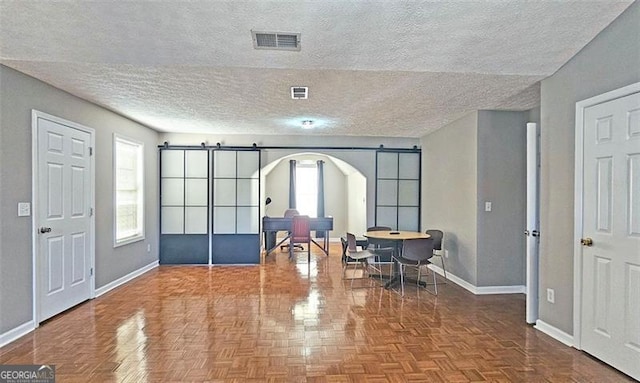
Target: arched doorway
x,y
345,190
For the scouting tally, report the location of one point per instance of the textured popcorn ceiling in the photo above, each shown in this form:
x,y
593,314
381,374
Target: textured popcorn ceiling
x,y
374,68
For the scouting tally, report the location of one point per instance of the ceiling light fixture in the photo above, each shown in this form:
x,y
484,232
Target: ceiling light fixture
x,y
307,124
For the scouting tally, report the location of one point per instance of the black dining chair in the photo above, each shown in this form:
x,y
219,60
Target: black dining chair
x,y
416,253
384,249
358,257
437,236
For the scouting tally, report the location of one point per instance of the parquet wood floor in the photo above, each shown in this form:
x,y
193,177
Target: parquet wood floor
x,y
289,321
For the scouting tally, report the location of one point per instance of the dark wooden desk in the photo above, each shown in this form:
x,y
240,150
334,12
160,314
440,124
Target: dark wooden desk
x,y
275,224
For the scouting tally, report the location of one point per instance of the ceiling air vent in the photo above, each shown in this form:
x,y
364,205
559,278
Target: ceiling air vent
x,y
276,40
299,92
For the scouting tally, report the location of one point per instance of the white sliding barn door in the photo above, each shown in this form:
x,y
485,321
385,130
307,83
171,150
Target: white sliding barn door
x,y
610,238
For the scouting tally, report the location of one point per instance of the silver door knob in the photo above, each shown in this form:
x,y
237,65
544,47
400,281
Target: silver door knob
x,y
45,230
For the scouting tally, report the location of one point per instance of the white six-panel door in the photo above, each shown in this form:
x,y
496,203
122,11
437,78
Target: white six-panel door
x,y
63,217
610,294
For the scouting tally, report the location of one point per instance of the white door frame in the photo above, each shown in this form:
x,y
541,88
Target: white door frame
x,y
579,200
532,227
35,184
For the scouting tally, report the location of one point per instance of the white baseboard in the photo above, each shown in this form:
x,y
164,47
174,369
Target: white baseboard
x,y
16,333
481,290
121,281
555,333
515,289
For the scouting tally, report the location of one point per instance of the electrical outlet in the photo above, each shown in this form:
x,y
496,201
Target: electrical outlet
x,y
551,296
148,248
487,206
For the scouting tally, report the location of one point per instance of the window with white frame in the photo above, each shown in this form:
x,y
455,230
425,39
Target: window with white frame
x,y
129,194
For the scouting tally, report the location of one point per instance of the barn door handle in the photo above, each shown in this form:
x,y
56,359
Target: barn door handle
x,y
45,230
588,242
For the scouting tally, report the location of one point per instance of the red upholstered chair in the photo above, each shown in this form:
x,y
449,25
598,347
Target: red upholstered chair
x,y
290,213
300,233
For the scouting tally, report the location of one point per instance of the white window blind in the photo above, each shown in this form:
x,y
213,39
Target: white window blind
x,y
129,193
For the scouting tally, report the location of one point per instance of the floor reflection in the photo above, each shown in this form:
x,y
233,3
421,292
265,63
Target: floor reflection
x,y
294,321
308,309
131,343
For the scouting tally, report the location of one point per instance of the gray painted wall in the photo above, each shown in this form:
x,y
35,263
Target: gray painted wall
x,y
502,181
449,185
479,158
610,61
534,115
19,94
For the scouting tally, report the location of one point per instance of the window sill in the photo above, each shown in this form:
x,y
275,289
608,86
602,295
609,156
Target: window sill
x,y
127,241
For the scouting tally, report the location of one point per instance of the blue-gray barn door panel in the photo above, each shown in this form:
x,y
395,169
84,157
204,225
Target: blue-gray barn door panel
x,y
398,189
184,206
236,209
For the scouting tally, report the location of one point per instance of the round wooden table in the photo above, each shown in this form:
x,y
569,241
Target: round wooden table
x,y
397,236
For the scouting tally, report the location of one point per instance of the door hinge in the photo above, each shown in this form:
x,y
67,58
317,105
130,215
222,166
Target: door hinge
x,y
91,272
90,151
90,212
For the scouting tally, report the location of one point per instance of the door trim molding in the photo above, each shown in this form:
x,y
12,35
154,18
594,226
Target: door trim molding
x,y
578,198
35,116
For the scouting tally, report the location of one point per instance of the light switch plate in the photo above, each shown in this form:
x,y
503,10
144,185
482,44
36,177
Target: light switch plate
x,y
24,209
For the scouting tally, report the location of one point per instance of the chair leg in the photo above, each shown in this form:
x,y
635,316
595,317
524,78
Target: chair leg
x,y
355,266
365,264
444,268
402,279
435,281
365,272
